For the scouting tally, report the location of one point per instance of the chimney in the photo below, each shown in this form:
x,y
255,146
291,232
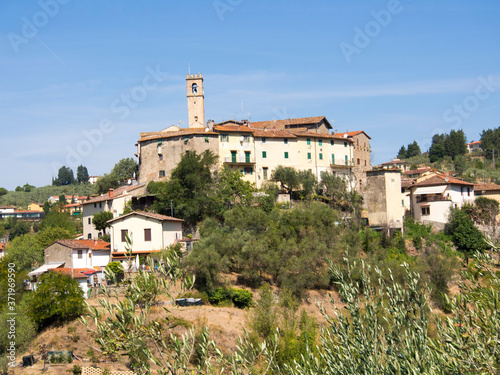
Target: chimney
x,y
245,122
111,193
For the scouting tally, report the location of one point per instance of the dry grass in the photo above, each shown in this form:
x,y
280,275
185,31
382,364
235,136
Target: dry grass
x,y
225,325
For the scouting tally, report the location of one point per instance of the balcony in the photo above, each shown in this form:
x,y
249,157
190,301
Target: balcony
x,y
432,198
241,160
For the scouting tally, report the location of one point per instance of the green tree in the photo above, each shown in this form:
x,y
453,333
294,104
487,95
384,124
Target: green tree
x,y
25,329
288,178
465,235
18,188
413,150
189,189
49,234
122,171
308,183
3,191
64,177
490,142
57,299
402,154
24,251
18,228
82,174
436,152
459,164
28,188
59,219
100,220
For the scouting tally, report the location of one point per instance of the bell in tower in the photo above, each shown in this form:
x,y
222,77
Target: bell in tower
x,y
196,101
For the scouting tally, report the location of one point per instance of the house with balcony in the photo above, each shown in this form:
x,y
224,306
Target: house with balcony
x,y
432,198
114,201
148,232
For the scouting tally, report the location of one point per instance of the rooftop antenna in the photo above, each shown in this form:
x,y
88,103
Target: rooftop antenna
x,y
189,68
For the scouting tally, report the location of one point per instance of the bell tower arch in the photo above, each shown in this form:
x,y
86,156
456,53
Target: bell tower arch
x,y
196,101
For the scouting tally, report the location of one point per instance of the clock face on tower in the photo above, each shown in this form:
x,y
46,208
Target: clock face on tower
x,y
195,88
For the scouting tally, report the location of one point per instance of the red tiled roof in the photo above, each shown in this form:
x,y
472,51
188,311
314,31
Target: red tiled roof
x,y
116,193
233,128
486,187
78,273
171,134
272,133
442,180
86,244
147,214
394,161
282,124
2,246
352,134
318,135
474,143
417,171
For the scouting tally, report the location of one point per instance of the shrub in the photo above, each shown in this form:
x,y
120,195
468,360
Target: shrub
x,y
242,298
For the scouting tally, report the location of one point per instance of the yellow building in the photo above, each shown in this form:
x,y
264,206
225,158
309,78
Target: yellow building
x,y
256,149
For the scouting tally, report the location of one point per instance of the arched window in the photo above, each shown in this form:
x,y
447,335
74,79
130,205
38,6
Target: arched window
x,y
195,88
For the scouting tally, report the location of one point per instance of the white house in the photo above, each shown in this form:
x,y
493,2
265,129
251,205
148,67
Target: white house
x,y
432,198
149,233
113,201
84,260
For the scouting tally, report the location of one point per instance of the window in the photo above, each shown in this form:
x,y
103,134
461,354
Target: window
x,y
124,235
89,236
147,234
285,141
160,157
365,163
224,138
346,160
233,156
90,220
80,254
264,171
331,142
286,154
159,143
95,205
345,144
161,174
247,156
320,142
358,161
357,142
206,139
248,170
426,211
333,159
100,204
186,139
263,140
320,156
468,192
308,141
194,88
308,156
264,154
246,138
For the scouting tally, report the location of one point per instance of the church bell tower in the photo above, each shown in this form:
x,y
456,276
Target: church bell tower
x,y
196,101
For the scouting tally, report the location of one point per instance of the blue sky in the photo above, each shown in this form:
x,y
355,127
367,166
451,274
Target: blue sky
x,y
79,80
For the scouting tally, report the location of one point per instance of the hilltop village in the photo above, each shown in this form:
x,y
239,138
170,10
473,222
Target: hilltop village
x,y
253,217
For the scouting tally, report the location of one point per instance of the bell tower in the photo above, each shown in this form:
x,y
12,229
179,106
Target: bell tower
x,y
196,101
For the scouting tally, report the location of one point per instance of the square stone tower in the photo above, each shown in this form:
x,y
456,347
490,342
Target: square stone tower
x,y
196,101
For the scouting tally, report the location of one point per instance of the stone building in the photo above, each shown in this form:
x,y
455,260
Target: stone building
x,y
254,148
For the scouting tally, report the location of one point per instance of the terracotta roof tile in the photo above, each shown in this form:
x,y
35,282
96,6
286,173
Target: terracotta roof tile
x,y
282,124
233,128
116,193
86,244
442,180
352,134
486,187
78,273
171,134
147,214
